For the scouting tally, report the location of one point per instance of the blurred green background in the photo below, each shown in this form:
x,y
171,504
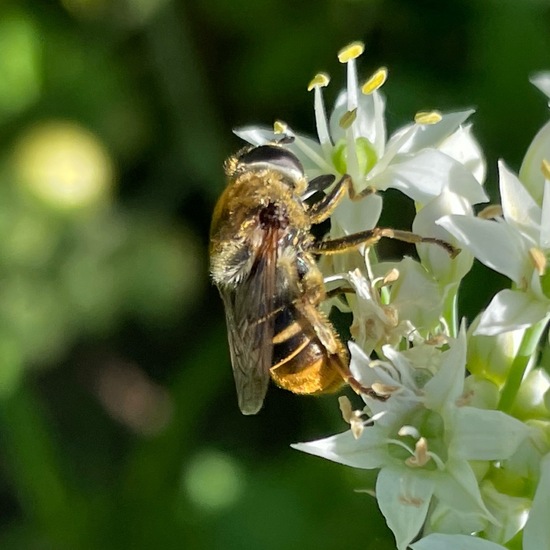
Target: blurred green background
x,y
118,419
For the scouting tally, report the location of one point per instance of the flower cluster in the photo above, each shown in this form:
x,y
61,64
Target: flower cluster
x,y
462,444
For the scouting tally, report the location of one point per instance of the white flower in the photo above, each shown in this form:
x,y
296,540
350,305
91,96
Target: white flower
x,y
539,149
491,357
445,269
517,246
510,511
455,542
401,302
536,534
419,159
424,441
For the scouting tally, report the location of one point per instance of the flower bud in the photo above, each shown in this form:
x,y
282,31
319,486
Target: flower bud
x,y
433,257
491,357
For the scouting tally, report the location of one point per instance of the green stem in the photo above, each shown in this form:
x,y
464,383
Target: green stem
x,y
527,349
450,313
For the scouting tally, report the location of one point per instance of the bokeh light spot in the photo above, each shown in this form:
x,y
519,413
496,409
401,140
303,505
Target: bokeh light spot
x,y
213,480
64,166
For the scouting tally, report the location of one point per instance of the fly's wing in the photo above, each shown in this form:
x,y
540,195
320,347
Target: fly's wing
x,y
249,310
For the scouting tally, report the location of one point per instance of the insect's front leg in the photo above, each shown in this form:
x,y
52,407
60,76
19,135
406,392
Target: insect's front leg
x,y
323,209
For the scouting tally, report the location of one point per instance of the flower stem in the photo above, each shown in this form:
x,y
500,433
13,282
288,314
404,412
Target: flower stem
x,y
450,313
527,349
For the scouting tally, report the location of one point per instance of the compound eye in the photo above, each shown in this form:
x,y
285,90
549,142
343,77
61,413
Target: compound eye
x,y
276,158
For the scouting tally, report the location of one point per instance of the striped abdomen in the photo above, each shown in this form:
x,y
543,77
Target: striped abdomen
x,y
301,362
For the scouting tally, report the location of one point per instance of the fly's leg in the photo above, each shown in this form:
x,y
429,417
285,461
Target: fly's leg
x,y
322,210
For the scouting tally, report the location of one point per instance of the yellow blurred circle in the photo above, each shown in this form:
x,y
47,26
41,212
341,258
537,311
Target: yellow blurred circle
x,y
213,480
64,165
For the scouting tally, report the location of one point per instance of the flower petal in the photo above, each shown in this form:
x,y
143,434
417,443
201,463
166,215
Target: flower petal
x,y
536,534
511,310
448,383
434,258
432,135
416,295
542,82
519,208
530,173
510,511
445,519
403,496
369,451
308,151
437,541
457,488
354,216
422,177
485,435
256,135
464,148
530,400
544,240
495,244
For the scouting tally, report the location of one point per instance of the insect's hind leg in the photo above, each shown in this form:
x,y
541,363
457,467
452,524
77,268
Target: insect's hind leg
x,y
353,383
372,236
323,209
338,354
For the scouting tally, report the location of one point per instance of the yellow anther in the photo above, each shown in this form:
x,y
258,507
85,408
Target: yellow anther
x,y
490,212
545,168
320,80
375,81
347,119
427,117
539,260
280,127
351,51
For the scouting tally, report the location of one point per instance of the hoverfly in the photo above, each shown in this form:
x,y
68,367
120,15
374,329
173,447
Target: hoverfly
x,y
262,259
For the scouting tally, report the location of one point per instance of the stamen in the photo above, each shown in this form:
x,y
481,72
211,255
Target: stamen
x,y
348,55
351,51
437,340
400,444
280,127
354,417
384,389
375,81
391,276
347,119
392,315
538,259
345,407
490,212
421,456
409,430
427,117
438,462
319,81
545,168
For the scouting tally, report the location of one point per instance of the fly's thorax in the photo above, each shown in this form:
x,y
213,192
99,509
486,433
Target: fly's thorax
x,y
258,198
269,158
